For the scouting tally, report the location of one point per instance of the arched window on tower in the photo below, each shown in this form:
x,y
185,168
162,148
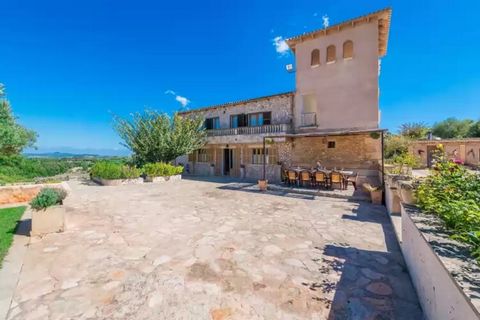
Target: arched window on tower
x,y
331,54
315,58
348,49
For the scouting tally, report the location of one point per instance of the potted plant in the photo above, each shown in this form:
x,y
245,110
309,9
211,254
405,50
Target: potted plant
x,y
160,172
47,211
110,173
376,193
263,184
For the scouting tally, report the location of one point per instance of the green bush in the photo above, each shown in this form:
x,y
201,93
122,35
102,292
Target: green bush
x,y
23,169
113,170
159,169
48,197
453,193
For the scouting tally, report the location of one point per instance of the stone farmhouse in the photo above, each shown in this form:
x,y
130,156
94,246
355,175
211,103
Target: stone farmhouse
x,y
332,116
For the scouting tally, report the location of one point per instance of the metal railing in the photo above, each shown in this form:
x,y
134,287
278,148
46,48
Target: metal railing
x,y
309,119
266,129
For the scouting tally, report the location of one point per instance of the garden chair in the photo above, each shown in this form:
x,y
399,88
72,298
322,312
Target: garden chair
x,y
305,178
292,177
320,178
352,180
336,178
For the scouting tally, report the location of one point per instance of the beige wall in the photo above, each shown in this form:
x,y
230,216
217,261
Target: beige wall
x,y
346,91
468,150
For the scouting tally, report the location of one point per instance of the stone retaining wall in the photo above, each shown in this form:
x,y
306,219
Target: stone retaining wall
x,y
446,281
25,192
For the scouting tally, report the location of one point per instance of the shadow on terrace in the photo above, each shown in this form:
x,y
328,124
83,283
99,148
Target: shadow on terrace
x,y
281,189
372,284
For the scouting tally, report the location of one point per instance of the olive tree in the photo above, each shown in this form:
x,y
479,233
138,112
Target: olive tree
x,y
13,137
158,137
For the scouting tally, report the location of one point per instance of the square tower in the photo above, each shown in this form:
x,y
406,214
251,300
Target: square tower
x,y
337,70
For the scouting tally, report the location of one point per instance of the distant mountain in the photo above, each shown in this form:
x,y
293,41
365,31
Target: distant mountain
x,y
69,152
62,155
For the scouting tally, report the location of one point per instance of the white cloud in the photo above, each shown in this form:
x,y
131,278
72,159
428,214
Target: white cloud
x,y
280,45
182,100
326,21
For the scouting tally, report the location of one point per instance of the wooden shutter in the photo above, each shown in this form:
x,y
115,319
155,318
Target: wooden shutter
x,y
242,120
267,118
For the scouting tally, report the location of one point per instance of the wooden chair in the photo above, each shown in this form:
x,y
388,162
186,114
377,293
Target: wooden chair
x,y
292,177
337,178
305,177
352,180
320,179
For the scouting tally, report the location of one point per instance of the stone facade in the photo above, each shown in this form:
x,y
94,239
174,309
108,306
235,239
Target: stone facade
x,y
464,150
335,102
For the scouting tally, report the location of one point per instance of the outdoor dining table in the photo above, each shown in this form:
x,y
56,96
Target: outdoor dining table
x,y
345,173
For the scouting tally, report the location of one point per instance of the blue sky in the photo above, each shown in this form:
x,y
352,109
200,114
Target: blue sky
x,y
69,66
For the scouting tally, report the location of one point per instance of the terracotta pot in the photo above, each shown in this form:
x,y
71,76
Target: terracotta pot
x,y
376,196
49,220
262,185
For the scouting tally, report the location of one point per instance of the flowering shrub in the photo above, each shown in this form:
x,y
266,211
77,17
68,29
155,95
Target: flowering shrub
x,y
453,193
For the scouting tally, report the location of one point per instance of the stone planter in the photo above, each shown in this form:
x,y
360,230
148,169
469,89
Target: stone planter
x,y
212,170
445,277
407,193
161,179
376,196
50,220
262,185
116,182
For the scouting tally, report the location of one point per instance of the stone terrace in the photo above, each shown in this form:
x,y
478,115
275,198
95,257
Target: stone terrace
x,y
199,250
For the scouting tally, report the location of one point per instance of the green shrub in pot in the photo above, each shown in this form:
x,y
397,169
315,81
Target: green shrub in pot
x,y
113,170
48,197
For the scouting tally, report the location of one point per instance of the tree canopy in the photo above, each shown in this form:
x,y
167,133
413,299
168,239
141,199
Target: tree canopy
x,y
13,137
414,130
156,137
452,128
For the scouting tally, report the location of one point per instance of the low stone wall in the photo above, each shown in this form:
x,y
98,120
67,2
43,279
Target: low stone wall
x,y
116,182
255,172
446,279
163,179
26,192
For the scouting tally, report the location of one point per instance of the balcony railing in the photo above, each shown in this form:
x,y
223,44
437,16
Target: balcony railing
x,y
309,119
266,129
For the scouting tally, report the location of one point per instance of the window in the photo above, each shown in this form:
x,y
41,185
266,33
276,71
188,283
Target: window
x,y
238,120
331,54
315,58
348,49
309,115
203,155
212,123
331,144
259,119
257,156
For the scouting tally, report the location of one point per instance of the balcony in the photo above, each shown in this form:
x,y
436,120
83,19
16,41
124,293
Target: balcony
x,y
266,129
309,119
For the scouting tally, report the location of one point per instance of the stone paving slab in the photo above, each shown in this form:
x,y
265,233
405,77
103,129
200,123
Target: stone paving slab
x,y
198,250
